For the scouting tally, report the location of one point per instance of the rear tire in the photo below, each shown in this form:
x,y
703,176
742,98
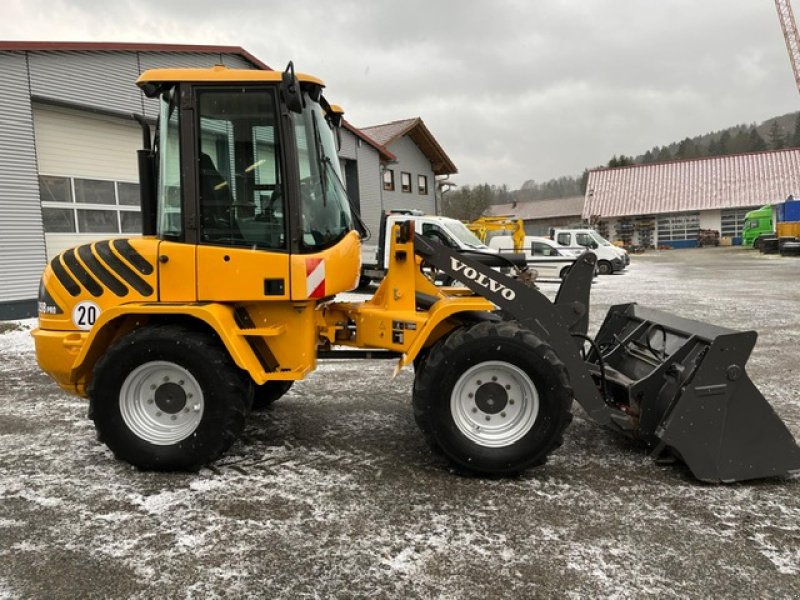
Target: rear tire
x,y
605,268
264,395
168,397
493,397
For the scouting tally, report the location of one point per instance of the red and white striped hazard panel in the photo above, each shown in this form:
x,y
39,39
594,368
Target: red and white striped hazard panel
x,y
315,278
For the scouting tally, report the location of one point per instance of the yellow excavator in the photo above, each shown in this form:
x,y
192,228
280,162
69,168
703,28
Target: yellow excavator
x,y
484,225
228,297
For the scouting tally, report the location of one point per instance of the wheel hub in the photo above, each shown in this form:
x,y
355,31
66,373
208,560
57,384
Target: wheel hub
x,y
494,404
161,402
491,398
170,398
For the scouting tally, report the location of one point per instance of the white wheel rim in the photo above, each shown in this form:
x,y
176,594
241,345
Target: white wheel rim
x,y
161,403
494,404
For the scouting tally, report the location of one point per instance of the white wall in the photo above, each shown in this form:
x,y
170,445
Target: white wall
x,y
711,219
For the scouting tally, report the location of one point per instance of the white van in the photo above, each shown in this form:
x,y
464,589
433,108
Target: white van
x,y
609,257
549,259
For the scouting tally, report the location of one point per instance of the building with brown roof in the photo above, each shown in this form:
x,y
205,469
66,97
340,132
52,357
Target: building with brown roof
x,y
668,203
540,215
409,182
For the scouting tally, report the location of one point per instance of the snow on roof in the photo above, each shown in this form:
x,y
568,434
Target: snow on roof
x,y
739,180
540,209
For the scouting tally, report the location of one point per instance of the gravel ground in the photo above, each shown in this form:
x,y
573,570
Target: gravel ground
x,y
332,492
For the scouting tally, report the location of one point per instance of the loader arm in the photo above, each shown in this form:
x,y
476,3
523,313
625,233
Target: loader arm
x,y
676,384
553,322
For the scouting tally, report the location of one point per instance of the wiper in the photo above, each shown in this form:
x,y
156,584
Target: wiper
x,y
321,158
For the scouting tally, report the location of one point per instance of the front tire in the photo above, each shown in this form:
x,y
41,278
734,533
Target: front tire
x,y
494,398
168,398
605,268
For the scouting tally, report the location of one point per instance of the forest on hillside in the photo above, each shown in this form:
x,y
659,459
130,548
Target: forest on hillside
x,y
469,202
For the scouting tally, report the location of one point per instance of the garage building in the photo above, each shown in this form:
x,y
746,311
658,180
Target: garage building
x,y
68,146
668,203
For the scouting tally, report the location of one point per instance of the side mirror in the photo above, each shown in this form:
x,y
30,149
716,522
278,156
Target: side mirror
x,y
290,89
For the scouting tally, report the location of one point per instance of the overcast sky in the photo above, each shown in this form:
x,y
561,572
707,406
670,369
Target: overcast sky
x,y
512,90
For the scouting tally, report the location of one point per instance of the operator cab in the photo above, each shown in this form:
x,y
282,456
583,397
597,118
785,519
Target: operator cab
x,y
246,159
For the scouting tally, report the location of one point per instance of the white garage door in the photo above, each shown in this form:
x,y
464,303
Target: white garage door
x,y
88,176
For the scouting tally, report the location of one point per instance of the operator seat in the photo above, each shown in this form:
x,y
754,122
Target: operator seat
x,y
215,202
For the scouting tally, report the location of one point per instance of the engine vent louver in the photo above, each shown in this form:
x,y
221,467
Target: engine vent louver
x,y
100,269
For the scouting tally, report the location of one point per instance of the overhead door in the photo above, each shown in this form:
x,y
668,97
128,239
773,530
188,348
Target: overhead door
x,y
88,177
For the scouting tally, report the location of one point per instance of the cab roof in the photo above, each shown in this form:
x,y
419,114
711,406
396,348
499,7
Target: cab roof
x,y
218,73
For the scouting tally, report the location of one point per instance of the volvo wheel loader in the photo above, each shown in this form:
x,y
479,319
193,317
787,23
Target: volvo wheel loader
x,y
228,297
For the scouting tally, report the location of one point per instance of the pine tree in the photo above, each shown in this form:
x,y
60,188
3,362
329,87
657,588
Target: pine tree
x,y
740,142
756,142
794,141
687,149
777,140
664,154
584,181
724,143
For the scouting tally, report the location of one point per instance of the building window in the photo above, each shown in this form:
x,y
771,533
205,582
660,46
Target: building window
x,y
732,221
55,189
128,194
388,180
422,184
405,182
58,220
97,221
681,226
73,205
93,191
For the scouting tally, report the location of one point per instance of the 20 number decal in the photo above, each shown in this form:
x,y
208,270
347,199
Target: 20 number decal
x,y
85,314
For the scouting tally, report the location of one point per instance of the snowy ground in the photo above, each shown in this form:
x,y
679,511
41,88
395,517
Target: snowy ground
x,y
333,493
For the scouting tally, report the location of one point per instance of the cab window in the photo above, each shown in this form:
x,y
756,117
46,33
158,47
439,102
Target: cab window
x,y
240,184
563,239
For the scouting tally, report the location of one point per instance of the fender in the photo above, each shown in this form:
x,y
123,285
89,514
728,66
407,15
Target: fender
x,y
218,317
437,325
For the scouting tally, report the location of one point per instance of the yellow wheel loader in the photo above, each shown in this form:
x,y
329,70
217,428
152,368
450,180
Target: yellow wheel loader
x,y
228,297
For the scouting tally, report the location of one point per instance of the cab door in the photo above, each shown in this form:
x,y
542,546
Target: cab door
x,y
242,222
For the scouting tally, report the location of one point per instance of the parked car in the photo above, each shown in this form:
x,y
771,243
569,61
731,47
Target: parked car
x,y
549,259
609,257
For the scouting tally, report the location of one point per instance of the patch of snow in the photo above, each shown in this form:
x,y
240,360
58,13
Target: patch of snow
x,y
786,559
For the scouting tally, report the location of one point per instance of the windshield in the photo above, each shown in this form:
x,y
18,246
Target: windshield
x,y
325,210
462,234
596,237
